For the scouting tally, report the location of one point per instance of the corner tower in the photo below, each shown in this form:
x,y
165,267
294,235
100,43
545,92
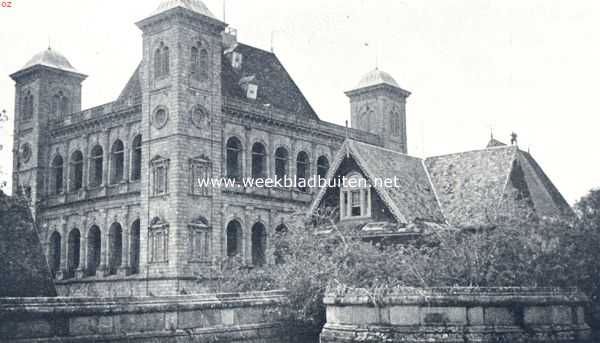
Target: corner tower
x,y
46,88
378,105
181,120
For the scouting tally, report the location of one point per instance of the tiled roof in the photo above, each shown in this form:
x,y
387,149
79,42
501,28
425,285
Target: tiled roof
x,y
133,89
413,195
50,58
411,199
546,198
275,86
470,185
192,5
376,77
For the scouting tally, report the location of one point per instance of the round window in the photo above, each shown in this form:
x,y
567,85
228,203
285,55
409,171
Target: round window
x,y
200,117
160,118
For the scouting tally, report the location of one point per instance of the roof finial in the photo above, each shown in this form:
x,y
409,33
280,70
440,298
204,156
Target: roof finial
x,y
513,139
224,11
49,44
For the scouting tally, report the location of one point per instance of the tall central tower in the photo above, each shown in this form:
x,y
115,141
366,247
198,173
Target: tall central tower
x,y
181,117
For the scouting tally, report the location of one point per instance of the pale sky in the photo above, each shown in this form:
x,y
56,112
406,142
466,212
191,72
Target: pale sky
x,y
532,67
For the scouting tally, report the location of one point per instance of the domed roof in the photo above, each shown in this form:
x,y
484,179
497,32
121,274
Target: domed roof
x,y
50,58
193,5
376,77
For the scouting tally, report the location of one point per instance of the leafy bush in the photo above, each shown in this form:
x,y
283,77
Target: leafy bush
x,y
518,254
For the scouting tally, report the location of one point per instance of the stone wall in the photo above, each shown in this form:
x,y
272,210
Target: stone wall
x,y
248,317
457,315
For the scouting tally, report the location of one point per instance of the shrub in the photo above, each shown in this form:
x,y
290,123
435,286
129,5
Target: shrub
x,y
532,253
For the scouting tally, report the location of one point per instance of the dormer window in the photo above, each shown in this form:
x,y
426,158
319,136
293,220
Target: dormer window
x,y
355,198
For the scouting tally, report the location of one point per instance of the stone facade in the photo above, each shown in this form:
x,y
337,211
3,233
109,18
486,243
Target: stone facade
x,y
113,186
457,315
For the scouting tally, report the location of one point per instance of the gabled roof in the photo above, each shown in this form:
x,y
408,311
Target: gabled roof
x,y
463,189
470,184
275,86
411,199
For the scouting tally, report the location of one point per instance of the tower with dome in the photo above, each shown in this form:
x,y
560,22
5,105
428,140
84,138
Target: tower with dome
x,y
115,187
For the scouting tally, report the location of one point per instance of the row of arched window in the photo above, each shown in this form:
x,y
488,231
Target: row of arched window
x,y
94,250
234,166
96,165
258,241
198,61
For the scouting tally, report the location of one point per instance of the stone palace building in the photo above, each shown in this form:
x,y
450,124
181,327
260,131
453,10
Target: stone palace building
x,y
114,187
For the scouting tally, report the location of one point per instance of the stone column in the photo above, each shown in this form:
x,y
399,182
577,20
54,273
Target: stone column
x,y
105,169
126,243
104,230
62,274
80,272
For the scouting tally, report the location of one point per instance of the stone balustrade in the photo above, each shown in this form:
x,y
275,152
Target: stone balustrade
x,y
246,317
463,315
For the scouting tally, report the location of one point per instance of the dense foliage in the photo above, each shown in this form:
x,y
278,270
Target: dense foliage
x,y
519,254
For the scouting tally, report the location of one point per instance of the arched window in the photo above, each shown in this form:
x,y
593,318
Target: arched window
x,y
234,159
166,61
203,64
60,103
117,160
234,238
54,253
302,164
135,247
136,158
27,105
76,171
195,67
355,198
259,160
322,166
259,244
158,63
74,246
57,175
94,250
281,163
161,61
115,248
96,162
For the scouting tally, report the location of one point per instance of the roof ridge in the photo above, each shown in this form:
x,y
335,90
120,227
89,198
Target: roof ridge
x,y
474,150
435,193
386,149
510,170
